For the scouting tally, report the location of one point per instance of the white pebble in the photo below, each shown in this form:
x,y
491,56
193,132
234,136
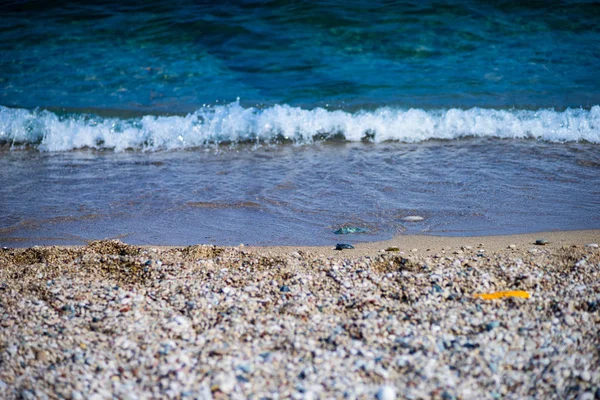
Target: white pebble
x,y
386,392
592,245
225,383
413,218
585,376
569,320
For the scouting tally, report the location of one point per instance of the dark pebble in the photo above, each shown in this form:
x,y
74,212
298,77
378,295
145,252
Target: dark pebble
x,y
447,396
491,325
541,242
285,289
343,246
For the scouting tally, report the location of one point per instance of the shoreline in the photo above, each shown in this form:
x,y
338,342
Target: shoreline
x,y
426,244
115,320
406,244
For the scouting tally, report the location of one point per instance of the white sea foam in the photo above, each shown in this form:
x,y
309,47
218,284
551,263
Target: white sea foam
x,y
233,123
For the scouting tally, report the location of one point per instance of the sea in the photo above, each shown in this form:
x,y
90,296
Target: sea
x,y
280,122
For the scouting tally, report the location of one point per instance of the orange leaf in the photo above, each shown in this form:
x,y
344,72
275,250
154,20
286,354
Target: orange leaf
x,y
500,295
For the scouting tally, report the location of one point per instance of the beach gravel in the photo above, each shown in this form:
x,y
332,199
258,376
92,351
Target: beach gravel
x,y
110,320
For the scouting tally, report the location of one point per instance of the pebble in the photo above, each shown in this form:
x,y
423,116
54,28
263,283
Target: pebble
x,y
541,242
386,392
512,246
413,218
232,323
491,325
346,230
586,376
392,249
223,383
76,395
569,320
592,245
343,246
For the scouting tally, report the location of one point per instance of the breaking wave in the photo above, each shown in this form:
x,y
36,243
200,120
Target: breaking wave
x,y
231,124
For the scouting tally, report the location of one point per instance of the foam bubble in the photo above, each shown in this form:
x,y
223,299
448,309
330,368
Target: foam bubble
x,y
233,123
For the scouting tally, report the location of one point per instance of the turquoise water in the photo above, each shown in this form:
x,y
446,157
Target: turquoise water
x,y
189,122
176,57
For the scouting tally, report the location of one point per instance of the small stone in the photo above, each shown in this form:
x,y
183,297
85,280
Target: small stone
x,y
491,325
541,242
223,383
8,323
284,289
27,395
586,376
386,392
589,395
75,395
581,263
569,320
343,246
512,246
447,396
347,230
41,355
392,249
592,245
414,250
413,218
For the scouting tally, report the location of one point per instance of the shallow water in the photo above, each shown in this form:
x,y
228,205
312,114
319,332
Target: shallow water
x,y
295,195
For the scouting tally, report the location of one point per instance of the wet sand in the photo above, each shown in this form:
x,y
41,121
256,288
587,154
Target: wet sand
x,y
110,319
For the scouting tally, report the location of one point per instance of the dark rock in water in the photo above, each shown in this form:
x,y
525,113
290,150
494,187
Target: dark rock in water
x,y
345,230
542,242
343,246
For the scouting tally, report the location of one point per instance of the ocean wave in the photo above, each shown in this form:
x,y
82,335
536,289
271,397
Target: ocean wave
x,y
231,124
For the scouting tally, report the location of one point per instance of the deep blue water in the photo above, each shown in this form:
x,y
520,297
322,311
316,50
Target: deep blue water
x,y
176,56
277,122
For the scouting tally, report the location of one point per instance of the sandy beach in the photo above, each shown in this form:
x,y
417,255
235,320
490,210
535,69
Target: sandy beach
x,y
395,319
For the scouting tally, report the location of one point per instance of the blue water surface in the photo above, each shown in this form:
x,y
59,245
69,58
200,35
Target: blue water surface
x,y
176,56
